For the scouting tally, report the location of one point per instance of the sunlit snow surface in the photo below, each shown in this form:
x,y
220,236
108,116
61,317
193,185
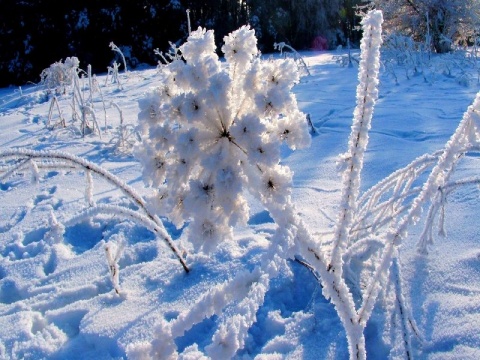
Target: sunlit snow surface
x,y
57,300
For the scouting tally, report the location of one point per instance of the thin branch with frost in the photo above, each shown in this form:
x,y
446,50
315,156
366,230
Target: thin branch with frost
x,y
438,204
116,49
93,85
112,71
382,203
89,188
407,322
113,252
13,169
233,332
466,133
54,103
125,136
188,22
64,158
282,45
211,303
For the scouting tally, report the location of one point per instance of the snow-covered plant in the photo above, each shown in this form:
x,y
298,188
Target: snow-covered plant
x,y
82,109
172,54
346,60
112,72
281,46
116,49
369,228
403,51
61,121
68,78
113,252
125,136
212,131
58,76
351,164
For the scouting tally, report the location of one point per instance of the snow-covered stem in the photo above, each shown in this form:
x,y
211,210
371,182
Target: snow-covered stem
x,y
337,291
78,101
280,46
88,110
90,83
231,334
408,324
117,50
121,132
112,71
54,103
417,166
57,230
34,170
213,302
89,188
65,158
113,252
466,133
94,83
367,94
188,22
438,203
334,285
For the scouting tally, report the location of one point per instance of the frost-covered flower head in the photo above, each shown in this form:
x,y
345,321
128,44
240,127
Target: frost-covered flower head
x,y
213,130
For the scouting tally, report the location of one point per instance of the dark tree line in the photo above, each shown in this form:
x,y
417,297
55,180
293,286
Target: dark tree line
x,y
36,33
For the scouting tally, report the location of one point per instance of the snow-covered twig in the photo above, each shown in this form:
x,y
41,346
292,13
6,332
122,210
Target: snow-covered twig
x,y
188,22
467,132
116,49
280,46
64,158
113,252
112,71
50,113
126,135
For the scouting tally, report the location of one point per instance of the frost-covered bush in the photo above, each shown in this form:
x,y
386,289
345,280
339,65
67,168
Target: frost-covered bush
x,y
213,130
59,76
68,79
416,59
402,51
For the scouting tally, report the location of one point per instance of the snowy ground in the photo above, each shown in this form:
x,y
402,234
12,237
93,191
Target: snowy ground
x,y
57,299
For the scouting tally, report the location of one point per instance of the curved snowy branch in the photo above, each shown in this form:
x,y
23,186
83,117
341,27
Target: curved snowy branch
x,y
466,133
64,158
